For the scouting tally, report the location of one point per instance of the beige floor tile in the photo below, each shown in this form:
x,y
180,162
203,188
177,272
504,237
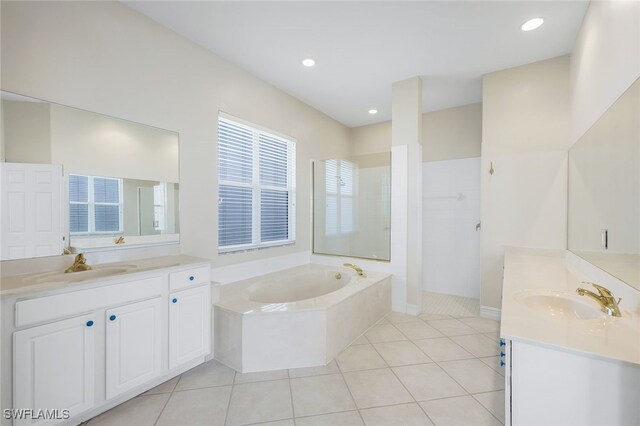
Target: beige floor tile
x,y
139,411
395,415
494,402
383,320
452,327
428,381
418,330
348,418
460,411
330,368
477,344
360,357
375,388
260,402
401,353
360,341
494,335
206,406
494,363
442,349
261,376
474,375
398,318
320,395
166,387
384,333
431,317
483,325
205,375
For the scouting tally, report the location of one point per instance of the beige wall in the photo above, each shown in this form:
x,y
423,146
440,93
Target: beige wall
x,y
107,58
26,132
448,134
605,60
525,126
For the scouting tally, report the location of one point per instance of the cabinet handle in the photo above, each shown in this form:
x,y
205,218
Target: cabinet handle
x,y
112,318
89,323
191,278
174,300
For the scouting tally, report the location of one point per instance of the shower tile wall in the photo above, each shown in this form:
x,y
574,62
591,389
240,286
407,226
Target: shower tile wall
x,y
450,212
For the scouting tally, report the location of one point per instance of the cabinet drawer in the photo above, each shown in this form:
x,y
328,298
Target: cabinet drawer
x,y
61,305
189,278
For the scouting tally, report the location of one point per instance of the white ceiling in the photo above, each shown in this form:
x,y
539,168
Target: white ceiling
x,y
361,48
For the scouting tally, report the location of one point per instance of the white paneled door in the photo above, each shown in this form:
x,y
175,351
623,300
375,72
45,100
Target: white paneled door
x,y
31,210
54,369
133,345
189,325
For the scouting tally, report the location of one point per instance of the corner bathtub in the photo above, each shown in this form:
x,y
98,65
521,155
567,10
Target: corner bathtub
x,y
299,317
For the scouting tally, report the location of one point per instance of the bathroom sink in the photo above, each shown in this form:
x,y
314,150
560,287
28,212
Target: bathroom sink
x,y
557,304
58,277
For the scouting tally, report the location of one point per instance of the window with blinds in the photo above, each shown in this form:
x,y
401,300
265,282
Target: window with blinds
x,y
95,205
256,187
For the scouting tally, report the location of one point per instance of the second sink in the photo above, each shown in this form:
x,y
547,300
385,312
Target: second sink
x,y
559,304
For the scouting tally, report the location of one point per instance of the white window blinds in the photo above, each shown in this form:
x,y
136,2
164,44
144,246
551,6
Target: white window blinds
x,y
256,191
95,205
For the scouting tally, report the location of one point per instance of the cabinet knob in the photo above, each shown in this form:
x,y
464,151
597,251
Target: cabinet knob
x,y
112,318
174,300
191,278
89,323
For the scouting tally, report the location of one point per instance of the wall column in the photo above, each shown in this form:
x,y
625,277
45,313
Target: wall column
x,y
406,196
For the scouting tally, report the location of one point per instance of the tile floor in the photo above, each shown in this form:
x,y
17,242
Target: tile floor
x,y
436,369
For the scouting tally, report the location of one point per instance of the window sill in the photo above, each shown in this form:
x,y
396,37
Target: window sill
x,y
245,249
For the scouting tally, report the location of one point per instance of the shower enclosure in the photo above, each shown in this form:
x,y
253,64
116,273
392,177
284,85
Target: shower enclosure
x,y
352,206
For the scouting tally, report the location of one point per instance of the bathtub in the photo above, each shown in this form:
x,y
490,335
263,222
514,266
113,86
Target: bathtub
x,y
299,317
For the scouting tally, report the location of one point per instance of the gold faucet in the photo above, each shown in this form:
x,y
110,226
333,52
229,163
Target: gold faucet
x,y
356,268
79,264
605,299
119,240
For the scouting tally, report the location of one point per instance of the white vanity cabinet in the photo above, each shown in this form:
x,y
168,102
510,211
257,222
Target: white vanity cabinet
x,y
89,347
189,325
54,366
133,345
548,386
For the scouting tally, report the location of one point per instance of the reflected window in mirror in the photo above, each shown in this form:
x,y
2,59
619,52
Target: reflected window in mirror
x,y
340,175
95,205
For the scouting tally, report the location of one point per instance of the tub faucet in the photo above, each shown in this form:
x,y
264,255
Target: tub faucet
x,y
605,299
79,264
356,268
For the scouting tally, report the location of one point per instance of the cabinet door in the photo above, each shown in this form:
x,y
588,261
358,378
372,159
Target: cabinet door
x,y
189,325
53,368
133,345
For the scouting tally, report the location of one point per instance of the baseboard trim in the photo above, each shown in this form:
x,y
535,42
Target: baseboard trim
x,y
490,313
412,309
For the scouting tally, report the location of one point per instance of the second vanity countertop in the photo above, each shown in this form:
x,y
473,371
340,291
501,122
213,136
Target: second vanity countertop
x,y
539,272
43,283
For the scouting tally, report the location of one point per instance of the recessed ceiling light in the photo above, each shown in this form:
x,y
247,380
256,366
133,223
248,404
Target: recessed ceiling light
x,y
373,111
308,62
532,24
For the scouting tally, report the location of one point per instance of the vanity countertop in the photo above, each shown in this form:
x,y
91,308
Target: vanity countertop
x,y
533,272
44,283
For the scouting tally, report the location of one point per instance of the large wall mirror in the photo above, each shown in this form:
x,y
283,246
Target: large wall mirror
x,y
352,206
76,181
604,191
